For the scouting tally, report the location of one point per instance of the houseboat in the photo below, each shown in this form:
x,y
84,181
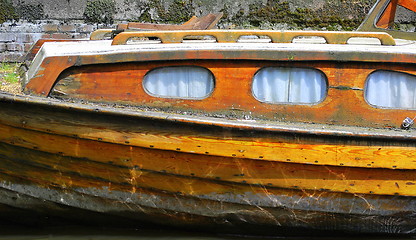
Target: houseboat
x,y
242,131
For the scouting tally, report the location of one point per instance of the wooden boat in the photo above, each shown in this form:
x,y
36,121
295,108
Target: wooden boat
x,y
265,134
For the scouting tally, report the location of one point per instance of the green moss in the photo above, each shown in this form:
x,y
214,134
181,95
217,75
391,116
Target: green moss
x,y
11,78
239,19
329,17
145,17
8,71
143,9
273,12
180,11
7,67
30,12
100,11
160,10
7,11
334,15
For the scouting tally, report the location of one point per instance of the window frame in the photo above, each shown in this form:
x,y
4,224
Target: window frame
x,y
324,97
383,107
173,97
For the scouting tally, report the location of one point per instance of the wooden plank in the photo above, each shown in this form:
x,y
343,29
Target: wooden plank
x,y
387,18
232,36
92,164
50,69
185,158
195,23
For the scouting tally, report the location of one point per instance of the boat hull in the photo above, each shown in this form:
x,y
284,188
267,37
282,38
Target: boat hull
x,y
55,157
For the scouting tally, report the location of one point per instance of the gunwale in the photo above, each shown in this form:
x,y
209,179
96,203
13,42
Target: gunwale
x,y
263,125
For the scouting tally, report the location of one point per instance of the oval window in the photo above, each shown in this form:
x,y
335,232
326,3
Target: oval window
x,y
289,85
391,89
188,82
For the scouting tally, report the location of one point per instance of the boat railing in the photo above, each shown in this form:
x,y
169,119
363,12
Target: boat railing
x,y
195,23
233,36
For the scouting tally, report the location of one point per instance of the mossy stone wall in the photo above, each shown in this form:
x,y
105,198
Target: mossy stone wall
x,y
22,22
271,14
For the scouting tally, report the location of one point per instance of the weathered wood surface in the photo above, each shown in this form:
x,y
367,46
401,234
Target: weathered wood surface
x,y
101,143
146,166
345,81
56,136
232,36
195,23
386,19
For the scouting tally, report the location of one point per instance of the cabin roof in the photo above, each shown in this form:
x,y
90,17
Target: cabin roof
x,y
308,49
104,47
102,51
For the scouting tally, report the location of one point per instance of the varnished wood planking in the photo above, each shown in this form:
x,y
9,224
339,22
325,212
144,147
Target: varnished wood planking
x,y
50,69
239,170
193,196
38,170
149,134
155,196
344,104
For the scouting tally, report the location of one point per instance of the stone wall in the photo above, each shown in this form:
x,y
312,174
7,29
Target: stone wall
x,y
133,9
16,38
71,19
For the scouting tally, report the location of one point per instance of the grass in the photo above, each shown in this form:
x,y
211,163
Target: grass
x,y
9,78
7,67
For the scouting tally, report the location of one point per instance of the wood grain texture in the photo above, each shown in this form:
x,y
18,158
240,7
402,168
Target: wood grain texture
x,y
143,169
40,168
343,105
274,160
102,158
60,181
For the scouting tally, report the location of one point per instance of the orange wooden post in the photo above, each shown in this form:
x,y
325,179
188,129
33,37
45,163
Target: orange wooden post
x,y
387,18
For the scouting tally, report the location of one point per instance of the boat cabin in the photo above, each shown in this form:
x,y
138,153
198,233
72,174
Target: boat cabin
x,y
340,78
363,79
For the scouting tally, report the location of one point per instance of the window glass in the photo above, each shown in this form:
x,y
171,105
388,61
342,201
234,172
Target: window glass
x,y
391,89
188,82
289,85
